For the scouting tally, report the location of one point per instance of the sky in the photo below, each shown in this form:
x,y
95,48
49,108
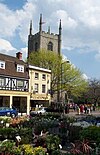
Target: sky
x,y
80,29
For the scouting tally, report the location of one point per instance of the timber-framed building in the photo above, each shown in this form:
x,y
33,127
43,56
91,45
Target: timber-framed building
x,y
14,83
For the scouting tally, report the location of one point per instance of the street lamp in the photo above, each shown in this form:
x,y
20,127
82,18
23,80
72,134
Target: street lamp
x,y
62,82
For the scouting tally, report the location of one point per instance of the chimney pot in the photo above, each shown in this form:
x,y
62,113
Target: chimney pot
x,y
19,55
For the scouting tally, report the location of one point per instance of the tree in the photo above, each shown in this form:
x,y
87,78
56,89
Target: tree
x,y
48,60
72,81
93,92
64,76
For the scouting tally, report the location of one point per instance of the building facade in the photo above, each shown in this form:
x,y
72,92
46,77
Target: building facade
x,y
14,83
39,86
44,40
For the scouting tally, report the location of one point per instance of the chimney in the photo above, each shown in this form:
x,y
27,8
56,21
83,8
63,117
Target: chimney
x,y
19,55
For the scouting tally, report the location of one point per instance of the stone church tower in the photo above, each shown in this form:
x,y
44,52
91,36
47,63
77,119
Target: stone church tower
x,y
44,40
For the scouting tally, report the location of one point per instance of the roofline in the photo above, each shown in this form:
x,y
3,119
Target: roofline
x,y
39,68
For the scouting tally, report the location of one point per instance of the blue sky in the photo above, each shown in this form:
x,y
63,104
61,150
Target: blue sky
x,y
80,28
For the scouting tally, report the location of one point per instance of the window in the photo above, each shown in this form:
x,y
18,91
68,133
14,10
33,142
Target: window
x,y
50,46
36,75
2,64
43,77
36,87
2,81
43,88
20,83
20,68
36,46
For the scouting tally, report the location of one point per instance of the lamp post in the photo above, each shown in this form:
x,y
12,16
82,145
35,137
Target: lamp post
x,y
61,94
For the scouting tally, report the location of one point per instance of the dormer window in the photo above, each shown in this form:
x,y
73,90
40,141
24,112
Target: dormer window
x,y
2,64
20,68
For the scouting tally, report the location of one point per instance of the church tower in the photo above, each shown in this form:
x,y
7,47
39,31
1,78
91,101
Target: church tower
x,y
44,40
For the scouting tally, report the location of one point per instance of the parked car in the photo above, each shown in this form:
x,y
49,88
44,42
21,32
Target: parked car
x,y
41,110
8,111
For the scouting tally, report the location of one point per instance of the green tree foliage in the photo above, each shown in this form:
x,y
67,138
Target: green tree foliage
x,y
48,60
72,80
64,76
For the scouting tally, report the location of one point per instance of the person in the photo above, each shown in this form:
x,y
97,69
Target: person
x,y
67,109
85,109
93,107
78,110
13,107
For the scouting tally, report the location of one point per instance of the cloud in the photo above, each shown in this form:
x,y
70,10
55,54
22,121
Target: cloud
x,y
15,21
6,45
80,22
85,77
7,48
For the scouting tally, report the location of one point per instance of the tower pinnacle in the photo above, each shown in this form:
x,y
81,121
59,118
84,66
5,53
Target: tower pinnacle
x,y
60,28
31,27
40,24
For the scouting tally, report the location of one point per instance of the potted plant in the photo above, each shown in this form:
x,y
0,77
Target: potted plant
x,y
17,150
27,149
6,147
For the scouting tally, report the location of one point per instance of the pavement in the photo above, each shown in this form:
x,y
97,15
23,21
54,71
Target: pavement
x,y
75,114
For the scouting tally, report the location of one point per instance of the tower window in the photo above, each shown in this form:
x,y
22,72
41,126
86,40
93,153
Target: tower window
x,y
36,46
50,46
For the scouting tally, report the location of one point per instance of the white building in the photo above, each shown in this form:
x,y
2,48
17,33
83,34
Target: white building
x,y
39,86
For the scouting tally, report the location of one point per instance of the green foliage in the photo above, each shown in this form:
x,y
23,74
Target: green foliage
x,y
6,146
73,82
62,72
7,133
52,142
16,150
26,135
91,133
49,60
39,151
